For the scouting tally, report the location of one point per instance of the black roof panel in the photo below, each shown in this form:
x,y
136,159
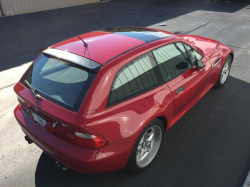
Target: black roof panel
x,y
143,34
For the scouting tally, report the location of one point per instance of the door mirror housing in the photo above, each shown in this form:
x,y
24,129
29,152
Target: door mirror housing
x,y
181,65
199,65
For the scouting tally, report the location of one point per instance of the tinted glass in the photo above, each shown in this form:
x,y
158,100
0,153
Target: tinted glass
x,y
168,57
136,77
194,55
61,82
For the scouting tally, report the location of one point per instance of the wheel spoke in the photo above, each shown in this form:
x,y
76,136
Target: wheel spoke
x,y
142,139
138,155
139,147
151,136
148,147
226,66
141,154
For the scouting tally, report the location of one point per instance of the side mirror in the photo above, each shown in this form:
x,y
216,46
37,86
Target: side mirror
x,y
181,65
199,64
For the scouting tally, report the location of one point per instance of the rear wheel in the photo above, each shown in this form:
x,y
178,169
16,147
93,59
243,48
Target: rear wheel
x,y
224,72
146,147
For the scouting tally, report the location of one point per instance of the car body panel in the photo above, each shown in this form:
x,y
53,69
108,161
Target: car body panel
x,y
109,71
221,52
205,44
102,46
192,82
127,118
113,156
189,106
119,124
44,108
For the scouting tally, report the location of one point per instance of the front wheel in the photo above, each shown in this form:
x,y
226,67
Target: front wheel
x,y
146,147
224,72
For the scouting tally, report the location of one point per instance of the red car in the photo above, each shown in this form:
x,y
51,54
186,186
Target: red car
x,y
100,101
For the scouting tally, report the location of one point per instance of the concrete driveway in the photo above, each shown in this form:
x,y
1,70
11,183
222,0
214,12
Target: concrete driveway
x,y
208,147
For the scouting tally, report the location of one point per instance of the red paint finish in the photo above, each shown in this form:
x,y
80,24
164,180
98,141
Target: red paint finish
x,y
102,46
120,124
97,96
205,44
112,157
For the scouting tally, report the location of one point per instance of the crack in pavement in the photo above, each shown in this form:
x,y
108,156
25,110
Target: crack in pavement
x,y
239,67
193,29
236,46
7,86
217,20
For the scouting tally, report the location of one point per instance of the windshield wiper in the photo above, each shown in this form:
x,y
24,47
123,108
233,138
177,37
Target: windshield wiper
x,y
33,90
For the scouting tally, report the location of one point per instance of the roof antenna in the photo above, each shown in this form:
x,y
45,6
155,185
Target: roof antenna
x,y
85,44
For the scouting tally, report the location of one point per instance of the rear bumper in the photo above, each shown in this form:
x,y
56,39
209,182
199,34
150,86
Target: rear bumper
x,y
110,158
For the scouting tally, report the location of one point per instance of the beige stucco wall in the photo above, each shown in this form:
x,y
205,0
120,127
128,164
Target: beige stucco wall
x,y
15,7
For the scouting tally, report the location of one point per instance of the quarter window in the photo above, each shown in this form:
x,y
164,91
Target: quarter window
x,y
134,78
168,57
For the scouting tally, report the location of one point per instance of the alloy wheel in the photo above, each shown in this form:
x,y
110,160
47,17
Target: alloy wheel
x,y
148,146
225,71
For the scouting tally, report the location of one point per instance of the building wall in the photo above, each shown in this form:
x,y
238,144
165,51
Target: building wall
x,y
1,9
15,7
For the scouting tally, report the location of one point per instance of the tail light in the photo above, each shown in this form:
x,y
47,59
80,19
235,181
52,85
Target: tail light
x,y
92,141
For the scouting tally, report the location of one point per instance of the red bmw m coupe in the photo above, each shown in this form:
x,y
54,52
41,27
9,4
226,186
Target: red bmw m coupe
x,y
100,101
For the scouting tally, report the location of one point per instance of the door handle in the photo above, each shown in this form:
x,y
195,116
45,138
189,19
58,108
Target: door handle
x,y
179,89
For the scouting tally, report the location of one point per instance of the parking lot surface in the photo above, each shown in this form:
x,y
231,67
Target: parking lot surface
x,y
208,147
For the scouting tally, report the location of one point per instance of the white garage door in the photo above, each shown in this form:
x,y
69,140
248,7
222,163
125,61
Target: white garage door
x,y
15,7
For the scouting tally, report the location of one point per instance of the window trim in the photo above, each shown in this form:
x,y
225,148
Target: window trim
x,y
193,49
157,71
158,77
78,102
183,71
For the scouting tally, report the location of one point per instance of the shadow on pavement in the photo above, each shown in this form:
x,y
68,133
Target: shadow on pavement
x,y
209,146
23,37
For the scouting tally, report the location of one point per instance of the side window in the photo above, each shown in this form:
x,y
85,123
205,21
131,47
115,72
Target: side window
x,y
168,57
194,55
134,78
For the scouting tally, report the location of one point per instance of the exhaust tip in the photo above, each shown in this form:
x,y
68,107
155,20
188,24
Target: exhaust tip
x,y
61,166
28,140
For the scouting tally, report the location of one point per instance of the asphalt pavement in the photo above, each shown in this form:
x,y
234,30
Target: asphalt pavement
x,y
208,147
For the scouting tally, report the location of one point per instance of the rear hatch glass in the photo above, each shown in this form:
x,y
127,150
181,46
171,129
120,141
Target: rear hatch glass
x,y
58,81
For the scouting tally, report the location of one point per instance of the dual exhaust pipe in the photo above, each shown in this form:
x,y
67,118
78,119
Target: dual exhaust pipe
x,y
28,140
58,164
61,166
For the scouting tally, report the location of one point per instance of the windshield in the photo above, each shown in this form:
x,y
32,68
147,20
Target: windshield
x,y
58,81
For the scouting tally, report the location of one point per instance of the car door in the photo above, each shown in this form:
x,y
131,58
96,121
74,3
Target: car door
x,y
185,83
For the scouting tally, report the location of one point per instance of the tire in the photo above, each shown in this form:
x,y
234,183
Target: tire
x,y
224,72
144,152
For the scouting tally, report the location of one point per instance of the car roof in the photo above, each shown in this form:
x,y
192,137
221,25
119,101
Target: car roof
x,y
106,44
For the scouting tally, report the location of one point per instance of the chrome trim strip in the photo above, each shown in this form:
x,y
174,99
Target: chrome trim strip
x,y
217,61
76,59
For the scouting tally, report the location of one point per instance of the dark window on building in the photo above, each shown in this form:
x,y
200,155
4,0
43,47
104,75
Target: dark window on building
x,y
134,78
168,57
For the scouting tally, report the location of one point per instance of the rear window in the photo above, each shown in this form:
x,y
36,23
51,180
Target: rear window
x,y
58,81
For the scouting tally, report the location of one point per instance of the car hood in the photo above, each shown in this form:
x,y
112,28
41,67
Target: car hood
x,y
205,44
